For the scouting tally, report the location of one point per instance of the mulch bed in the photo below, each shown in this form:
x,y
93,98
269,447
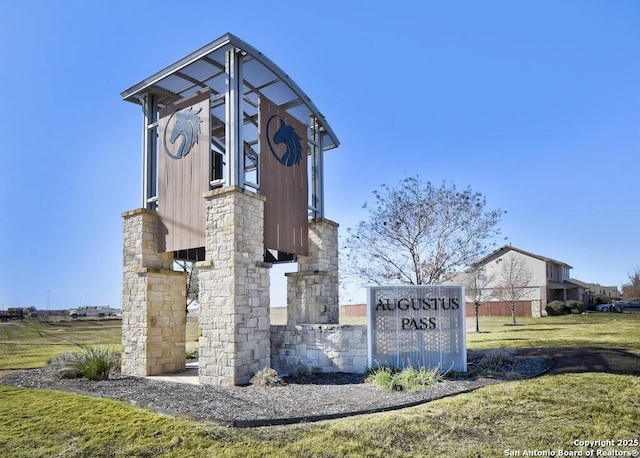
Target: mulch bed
x,y
299,399
320,396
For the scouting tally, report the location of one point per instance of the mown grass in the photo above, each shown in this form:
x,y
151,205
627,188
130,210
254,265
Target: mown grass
x,y
547,413
608,330
30,344
542,414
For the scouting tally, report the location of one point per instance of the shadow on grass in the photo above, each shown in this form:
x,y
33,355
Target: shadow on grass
x,y
589,359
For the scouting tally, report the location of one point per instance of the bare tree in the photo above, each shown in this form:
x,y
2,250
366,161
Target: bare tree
x,y
192,286
418,233
476,286
631,290
513,281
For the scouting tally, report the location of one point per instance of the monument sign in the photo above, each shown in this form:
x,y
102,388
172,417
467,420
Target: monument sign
x,y
418,326
232,179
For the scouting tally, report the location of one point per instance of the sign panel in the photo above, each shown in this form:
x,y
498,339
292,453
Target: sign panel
x,y
283,180
183,172
418,326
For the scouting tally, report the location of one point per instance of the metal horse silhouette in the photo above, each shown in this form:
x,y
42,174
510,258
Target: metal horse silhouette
x,y
285,135
186,126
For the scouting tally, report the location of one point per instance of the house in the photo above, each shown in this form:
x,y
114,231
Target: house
x,y
548,280
594,293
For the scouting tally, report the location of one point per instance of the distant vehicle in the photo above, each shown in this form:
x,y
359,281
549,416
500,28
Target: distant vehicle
x,y
632,305
616,307
603,307
92,312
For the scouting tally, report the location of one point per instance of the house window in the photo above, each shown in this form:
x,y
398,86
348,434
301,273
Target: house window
x,y
549,272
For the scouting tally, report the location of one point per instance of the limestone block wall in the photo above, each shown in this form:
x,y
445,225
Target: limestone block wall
x,y
319,348
234,289
166,322
153,301
312,291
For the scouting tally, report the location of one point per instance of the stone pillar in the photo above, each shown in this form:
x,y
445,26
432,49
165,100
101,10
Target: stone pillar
x,y
312,292
234,289
153,301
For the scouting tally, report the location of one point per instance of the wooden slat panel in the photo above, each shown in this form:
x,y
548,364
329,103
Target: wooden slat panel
x,y
283,179
183,175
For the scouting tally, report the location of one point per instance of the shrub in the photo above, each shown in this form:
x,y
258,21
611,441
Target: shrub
x,y
555,308
266,377
93,363
407,379
496,359
575,307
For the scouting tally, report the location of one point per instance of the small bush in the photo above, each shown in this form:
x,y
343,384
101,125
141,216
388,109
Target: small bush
x,y
93,363
384,377
266,377
496,359
555,308
575,307
404,380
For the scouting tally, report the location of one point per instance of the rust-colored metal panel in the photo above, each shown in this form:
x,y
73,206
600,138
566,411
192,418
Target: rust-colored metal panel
x,y
183,172
283,180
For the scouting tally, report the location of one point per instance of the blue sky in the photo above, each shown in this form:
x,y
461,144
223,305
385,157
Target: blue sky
x,y
534,104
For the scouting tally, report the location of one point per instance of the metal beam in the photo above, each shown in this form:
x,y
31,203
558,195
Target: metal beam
x,y
317,170
149,156
234,113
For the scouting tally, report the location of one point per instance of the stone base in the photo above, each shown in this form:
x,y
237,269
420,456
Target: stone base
x,y
234,290
153,301
312,292
319,349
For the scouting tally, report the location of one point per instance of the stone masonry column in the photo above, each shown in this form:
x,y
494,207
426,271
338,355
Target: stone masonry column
x,y
234,289
153,301
312,292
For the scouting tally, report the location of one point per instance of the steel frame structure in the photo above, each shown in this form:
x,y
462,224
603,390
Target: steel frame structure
x,y
236,75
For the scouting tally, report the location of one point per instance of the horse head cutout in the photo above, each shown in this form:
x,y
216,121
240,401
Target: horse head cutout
x,y
187,126
287,135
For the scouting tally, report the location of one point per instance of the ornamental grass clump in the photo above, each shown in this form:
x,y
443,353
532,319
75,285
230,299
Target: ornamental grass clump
x,y
496,360
266,377
93,363
408,379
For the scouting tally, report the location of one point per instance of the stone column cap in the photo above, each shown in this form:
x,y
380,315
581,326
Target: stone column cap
x,y
138,211
324,220
230,189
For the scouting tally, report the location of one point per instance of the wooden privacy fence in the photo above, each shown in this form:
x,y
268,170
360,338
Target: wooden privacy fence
x,y
522,308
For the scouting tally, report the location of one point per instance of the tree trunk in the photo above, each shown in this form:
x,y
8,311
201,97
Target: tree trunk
x,y
477,320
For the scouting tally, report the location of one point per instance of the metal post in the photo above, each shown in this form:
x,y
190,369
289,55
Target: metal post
x,y
317,172
233,105
149,165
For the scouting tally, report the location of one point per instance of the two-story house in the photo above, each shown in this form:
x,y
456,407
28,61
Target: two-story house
x,y
548,280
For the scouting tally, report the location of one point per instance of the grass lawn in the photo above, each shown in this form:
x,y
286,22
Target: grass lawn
x,y
609,330
30,344
547,413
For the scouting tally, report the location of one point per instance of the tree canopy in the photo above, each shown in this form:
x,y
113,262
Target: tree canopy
x,y
418,233
631,290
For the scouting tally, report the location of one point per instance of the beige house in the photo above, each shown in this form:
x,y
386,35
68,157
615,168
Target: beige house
x,y
549,280
593,291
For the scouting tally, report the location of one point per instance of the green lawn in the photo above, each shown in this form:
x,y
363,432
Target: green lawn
x,y
30,344
547,413
610,330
